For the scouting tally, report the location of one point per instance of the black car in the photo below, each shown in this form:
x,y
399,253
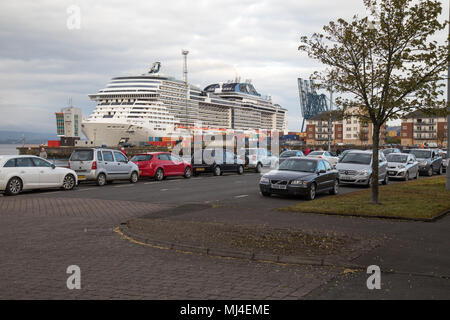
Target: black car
x,y
429,161
301,176
290,153
216,161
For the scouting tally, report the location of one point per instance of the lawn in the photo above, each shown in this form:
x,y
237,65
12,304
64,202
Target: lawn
x,y
422,199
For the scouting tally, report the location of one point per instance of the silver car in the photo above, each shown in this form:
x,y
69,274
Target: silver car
x,y
402,166
102,166
355,167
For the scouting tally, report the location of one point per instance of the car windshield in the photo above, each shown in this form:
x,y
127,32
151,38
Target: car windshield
x,y
316,153
288,154
142,157
298,165
396,158
387,151
422,154
82,155
358,158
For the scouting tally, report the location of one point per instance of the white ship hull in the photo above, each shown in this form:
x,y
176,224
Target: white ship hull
x,y
114,133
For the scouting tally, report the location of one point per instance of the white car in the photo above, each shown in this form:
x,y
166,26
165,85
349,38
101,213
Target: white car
x,y
19,173
260,157
324,155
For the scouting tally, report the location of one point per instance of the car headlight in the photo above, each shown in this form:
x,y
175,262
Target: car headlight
x,y
401,166
299,182
264,180
423,163
363,172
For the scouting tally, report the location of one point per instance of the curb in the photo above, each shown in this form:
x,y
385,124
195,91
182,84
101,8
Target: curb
x,y
229,253
434,219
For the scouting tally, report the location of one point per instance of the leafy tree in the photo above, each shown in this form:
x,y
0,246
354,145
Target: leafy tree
x,y
386,68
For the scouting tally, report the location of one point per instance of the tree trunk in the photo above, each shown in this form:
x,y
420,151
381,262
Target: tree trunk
x,y
375,147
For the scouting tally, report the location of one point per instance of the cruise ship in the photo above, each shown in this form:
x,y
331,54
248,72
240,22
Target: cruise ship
x,y
152,106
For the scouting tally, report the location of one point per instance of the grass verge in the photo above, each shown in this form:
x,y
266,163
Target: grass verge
x,y
422,199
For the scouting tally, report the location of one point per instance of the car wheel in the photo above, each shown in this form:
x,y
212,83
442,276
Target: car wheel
x,y
134,177
240,170
14,186
335,189
217,171
386,180
187,172
258,168
101,179
266,194
430,172
68,182
159,175
312,192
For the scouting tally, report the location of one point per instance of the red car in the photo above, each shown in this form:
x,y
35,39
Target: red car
x,y
161,164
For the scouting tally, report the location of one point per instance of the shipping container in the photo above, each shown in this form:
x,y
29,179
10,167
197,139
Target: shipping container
x,y
53,143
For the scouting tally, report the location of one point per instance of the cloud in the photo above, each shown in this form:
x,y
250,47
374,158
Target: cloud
x,y
43,63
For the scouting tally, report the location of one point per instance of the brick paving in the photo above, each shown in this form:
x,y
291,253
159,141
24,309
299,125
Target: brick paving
x,y
41,237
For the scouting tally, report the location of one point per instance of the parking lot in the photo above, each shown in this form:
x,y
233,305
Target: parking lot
x,y
43,232
229,188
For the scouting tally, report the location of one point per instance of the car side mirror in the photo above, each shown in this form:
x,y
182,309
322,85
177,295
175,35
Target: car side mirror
x,y
322,171
53,166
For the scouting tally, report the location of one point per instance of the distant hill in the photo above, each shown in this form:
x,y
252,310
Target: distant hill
x,y
15,137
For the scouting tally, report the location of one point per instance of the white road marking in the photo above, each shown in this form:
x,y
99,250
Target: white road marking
x,y
82,189
164,189
124,185
242,196
154,182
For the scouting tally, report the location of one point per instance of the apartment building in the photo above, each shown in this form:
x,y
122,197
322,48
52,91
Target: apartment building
x,y
341,130
420,129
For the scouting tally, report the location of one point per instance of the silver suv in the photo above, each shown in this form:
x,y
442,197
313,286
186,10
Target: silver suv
x,y
102,165
355,167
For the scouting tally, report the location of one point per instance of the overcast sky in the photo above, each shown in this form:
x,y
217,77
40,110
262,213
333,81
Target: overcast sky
x,y
43,62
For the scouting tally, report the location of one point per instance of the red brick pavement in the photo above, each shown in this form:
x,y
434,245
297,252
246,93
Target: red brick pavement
x,y
40,238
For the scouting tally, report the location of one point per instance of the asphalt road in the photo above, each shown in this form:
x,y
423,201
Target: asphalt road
x,y
242,190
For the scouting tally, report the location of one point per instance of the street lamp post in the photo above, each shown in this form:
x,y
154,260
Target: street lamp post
x,y
448,123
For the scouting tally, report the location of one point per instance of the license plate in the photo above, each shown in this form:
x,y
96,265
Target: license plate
x,y
345,178
392,173
278,186
200,169
81,177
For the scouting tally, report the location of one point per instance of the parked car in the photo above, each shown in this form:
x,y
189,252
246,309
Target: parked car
x,y
216,161
102,166
259,158
356,168
19,173
300,177
391,150
402,166
343,153
290,153
324,155
429,161
159,165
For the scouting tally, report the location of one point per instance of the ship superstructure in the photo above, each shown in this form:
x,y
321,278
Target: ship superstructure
x,y
152,106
